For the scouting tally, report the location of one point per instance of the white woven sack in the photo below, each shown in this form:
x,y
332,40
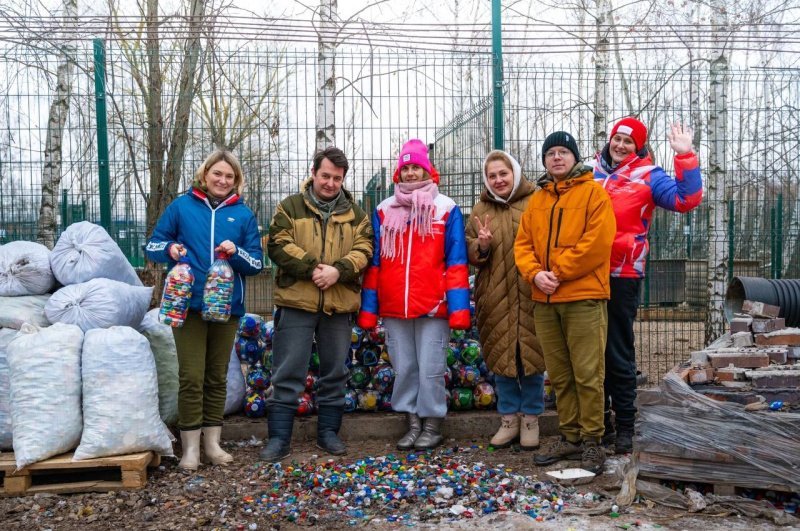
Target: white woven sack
x,y
234,397
99,303
45,380
86,251
6,335
25,269
120,396
16,311
162,343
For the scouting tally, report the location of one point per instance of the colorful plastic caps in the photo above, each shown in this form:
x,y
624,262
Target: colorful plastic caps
x,y
177,294
218,291
446,485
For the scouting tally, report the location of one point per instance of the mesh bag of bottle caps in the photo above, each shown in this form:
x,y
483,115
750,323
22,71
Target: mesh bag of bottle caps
x,y
25,269
45,391
120,396
85,251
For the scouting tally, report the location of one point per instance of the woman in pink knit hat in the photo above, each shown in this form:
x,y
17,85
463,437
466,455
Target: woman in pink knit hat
x,y
417,282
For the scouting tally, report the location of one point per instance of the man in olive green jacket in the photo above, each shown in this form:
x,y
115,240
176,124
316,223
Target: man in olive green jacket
x,y
321,242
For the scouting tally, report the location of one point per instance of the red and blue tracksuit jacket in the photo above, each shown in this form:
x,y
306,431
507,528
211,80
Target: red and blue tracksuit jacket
x,y
636,187
431,280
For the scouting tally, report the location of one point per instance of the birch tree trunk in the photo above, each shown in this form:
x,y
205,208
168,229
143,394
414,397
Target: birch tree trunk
x,y
718,212
602,59
57,117
326,76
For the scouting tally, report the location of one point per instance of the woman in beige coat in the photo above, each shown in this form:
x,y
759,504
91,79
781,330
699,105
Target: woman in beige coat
x,y
503,302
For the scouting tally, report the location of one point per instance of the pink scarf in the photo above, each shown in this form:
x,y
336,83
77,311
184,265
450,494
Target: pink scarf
x,y
414,202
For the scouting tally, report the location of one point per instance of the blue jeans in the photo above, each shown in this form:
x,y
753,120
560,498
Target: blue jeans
x,y
522,394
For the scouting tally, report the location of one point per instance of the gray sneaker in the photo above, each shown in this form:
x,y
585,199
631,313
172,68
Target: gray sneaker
x,y
593,457
562,449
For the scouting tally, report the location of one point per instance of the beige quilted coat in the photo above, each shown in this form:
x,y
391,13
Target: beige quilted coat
x,y
504,308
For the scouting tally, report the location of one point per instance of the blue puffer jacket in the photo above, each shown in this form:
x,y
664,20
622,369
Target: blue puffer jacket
x,y
190,220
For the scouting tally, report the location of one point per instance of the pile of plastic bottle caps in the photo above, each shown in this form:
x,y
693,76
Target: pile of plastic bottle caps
x,y
254,347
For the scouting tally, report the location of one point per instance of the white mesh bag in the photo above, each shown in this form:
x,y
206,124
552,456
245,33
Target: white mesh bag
x,y
16,311
162,343
235,391
99,303
6,335
120,396
45,381
25,269
86,251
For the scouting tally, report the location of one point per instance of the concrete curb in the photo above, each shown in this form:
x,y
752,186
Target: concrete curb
x,y
470,425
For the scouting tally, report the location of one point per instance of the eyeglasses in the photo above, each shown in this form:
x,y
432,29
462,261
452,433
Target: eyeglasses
x,y
561,153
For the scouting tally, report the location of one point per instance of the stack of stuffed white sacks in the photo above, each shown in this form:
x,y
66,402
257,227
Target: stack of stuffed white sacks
x,y
86,368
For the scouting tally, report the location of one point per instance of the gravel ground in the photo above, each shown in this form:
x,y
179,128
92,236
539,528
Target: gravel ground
x,y
222,498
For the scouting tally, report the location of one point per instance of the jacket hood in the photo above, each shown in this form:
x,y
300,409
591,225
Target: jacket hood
x,y
517,171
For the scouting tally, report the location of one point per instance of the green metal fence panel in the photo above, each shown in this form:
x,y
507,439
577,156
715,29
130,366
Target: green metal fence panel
x,y
260,101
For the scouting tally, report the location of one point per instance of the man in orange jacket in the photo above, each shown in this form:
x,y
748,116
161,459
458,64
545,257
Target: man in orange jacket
x,y
563,249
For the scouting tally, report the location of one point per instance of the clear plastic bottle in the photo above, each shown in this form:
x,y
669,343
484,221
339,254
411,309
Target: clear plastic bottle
x,y
218,291
177,294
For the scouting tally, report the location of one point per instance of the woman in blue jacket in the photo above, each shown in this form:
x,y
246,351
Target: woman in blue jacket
x,y
210,218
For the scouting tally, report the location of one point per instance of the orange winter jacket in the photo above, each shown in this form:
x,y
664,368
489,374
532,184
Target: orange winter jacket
x,y
568,228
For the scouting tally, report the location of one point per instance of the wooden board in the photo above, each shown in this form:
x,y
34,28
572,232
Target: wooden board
x,y
61,474
724,476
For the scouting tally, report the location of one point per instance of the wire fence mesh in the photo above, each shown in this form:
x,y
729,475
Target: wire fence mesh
x,y
262,102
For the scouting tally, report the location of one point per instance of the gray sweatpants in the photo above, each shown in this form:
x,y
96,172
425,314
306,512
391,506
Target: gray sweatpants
x,y
418,351
291,353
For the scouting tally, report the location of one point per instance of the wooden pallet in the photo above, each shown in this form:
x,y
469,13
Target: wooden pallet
x,y
59,475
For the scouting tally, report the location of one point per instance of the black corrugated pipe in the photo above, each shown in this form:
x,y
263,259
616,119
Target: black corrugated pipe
x,y
784,293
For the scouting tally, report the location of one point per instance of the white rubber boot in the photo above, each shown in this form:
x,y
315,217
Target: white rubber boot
x,y
190,441
215,454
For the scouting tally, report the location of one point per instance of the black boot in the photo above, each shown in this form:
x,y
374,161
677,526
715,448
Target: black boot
x,y
624,443
280,421
329,420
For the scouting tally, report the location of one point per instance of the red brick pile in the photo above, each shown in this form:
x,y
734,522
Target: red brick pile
x,y
730,415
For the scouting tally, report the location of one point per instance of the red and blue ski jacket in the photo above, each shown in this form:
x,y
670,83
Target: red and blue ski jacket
x,y
428,279
636,187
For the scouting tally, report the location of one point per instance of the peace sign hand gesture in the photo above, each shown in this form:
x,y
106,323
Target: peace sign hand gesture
x,y
680,138
484,234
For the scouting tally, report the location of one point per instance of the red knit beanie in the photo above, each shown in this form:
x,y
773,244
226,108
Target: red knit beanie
x,y
633,128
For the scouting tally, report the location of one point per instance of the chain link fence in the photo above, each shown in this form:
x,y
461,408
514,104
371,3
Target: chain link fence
x,y
262,102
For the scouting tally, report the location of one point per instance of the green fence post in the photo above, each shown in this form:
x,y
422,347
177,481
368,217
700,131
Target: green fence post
x,y
772,242
64,210
497,76
731,233
102,132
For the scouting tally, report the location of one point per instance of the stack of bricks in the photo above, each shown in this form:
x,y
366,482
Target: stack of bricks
x,y
761,362
730,415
